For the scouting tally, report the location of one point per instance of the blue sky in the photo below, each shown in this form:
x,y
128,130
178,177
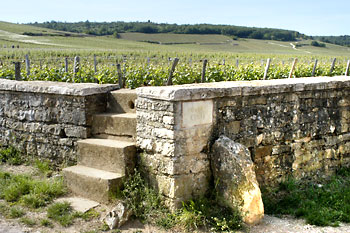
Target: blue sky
x,y
322,17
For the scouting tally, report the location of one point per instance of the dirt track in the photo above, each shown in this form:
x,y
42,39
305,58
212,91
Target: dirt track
x,y
268,225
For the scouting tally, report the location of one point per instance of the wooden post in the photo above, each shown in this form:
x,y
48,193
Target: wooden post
x,y
267,68
66,64
332,66
293,67
190,61
314,69
170,79
40,63
76,64
237,63
347,68
95,64
223,61
120,77
205,61
18,71
27,64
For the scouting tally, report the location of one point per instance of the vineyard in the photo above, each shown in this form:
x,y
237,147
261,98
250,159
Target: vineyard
x,y
142,69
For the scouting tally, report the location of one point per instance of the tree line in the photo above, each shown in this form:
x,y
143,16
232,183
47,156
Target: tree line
x,y
339,40
114,28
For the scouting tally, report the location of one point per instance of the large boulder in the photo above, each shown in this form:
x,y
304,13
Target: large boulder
x,y
235,179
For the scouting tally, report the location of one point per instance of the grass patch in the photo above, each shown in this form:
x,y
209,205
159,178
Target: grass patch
x,y
46,223
147,205
28,221
43,166
62,213
31,192
323,204
15,212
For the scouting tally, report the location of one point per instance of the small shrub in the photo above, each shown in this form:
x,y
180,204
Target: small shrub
x,y
318,44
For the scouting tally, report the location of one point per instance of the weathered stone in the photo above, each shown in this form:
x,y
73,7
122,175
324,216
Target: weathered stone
x,y
233,170
118,216
197,113
122,101
92,183
47,118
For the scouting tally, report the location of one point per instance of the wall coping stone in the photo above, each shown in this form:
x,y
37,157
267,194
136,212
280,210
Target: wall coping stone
x,y
59,88
241,88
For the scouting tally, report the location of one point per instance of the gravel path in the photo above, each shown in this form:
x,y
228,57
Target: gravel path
x,y
272,224
269,224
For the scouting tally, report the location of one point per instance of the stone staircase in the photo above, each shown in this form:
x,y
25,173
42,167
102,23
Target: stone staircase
x,y
106,158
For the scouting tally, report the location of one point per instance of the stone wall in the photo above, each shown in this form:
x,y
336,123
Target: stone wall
x,y
297,127
45,119
172,156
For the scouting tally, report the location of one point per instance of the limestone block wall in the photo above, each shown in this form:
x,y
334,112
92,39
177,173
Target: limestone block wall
x,y
297,127
45,119
172,149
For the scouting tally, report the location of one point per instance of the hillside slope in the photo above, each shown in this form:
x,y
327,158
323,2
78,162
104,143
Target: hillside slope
x,y
29,37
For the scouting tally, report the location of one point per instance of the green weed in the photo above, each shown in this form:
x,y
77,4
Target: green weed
x,y
89,215
28,221
46,223
206,212
16,187
147,205
43,166
15,212
62,213
11,156
143,200
4,209
323,204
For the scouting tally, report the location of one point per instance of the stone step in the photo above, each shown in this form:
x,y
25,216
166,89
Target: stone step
x,y
91,183
121,101
112,137
123,124
106,154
